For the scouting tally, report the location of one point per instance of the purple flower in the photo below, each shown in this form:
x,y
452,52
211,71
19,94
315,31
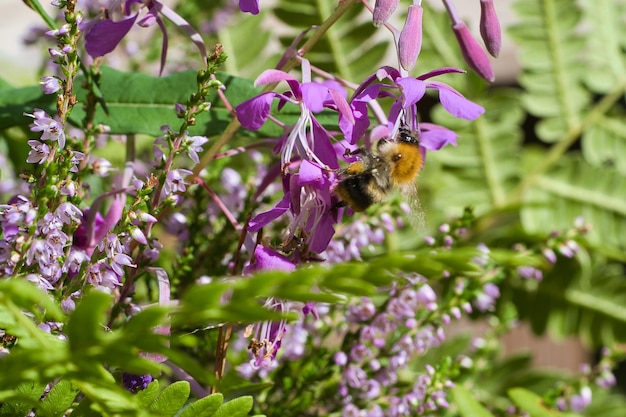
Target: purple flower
x,y
134,383
249,6
50,85
103,37
306,137
38,152
194,144
579,402
486,299
51,128
175,182
407,92
266,259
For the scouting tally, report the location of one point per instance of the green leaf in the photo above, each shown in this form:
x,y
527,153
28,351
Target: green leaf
x,y
484,168
575,189
247,42
238,407
171,399
553,68
604,143
533,404
467,404
147,395
140,103
205,407
604,51
22,398
570,302
137,103
30,298
84,328
58,400
14,102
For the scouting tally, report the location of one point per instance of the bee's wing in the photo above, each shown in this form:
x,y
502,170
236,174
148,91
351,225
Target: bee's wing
x,y
417,216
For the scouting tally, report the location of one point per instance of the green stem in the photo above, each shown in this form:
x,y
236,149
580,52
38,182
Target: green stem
x,y
36,6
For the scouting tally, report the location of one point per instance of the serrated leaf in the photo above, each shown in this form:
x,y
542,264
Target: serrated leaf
x,y
171,399
147,395
468,405
604,51
58,400
553,82
22,398
238,407
483,169
567,302
604,143
205,407
575,189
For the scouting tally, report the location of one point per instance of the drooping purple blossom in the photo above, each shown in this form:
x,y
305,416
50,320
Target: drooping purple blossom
x,y
383,9
103,36
490,27
410,39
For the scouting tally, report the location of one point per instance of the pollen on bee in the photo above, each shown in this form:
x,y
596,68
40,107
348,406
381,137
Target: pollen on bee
x,y
355,168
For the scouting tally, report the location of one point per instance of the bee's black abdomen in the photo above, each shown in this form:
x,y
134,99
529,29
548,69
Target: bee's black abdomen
x,y
355,192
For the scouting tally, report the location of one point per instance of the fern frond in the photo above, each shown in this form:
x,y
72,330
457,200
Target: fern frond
x,y
577,189
553,68
484,167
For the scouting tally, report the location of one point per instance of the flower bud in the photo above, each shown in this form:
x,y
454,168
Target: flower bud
x,y
410,42
490,27
474,55
383,9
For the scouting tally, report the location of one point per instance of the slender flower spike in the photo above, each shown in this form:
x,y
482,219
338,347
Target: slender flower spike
x,y
383,9
410,42
472,52
490,27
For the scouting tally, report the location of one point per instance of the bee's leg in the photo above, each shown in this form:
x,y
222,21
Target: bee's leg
x,y
357,151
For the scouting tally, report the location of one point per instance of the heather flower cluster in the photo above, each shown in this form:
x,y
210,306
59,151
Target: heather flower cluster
x,y
209,254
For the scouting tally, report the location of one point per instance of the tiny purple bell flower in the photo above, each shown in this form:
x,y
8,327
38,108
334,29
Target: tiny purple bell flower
x,y
410,41
383,9
490,27
472,52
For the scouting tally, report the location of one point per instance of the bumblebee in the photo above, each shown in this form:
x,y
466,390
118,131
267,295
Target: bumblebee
x,y
369,180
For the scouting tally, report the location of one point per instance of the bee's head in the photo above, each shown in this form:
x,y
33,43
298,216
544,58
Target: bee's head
x,y
407,136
